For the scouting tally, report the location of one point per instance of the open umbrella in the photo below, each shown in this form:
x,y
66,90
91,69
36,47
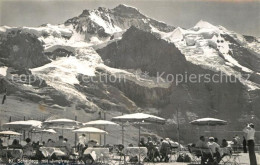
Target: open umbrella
x,y
23,125
89,130
51,131
208,122
103,123
44,131
63,124
139,118
63,121
9,133
100,123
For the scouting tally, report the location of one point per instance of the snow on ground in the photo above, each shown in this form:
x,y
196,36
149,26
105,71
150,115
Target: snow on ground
x,y
4,29
3,70
136,76
202,45
109,27
53,30
205,25
254,46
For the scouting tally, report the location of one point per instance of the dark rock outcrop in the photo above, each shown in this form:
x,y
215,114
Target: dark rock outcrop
x,y
22,50
142,50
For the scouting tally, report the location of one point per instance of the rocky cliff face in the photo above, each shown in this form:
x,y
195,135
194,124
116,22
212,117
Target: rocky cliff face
x,y
140,50
22,50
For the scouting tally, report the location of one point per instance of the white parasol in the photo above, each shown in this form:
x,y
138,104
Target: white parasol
x,y
208,122
101,123
89,130
63,124
9,133
23,125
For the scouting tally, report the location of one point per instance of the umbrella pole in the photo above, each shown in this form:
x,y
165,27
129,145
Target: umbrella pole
x,y
100,139
178,130
139,142
75,142
105,129
122,134
41,136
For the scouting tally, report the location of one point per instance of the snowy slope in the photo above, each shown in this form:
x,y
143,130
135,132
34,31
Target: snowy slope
x,y
204,45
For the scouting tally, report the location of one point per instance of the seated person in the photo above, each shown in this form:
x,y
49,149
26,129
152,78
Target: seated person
x,y
16,144
142,143
28,148
67,145
92,143
60,142
1,147
132,158
36,145
214,147
152,150
63,145
165,150
1,144
216,140
202,144
50,143
224,143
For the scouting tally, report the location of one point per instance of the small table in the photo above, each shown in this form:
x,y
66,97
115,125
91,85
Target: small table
x,y
98,154
49,151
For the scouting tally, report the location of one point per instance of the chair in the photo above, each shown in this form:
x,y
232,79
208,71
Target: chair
x,y
174,154
116,154
235,158
226,155
195,155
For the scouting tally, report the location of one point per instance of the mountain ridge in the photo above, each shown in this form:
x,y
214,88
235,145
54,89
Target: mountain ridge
x,y
122,43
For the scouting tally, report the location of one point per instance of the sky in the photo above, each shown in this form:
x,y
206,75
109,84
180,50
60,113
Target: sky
x,y
242,16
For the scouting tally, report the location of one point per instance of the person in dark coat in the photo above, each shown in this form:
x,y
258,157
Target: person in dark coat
x,y
244,145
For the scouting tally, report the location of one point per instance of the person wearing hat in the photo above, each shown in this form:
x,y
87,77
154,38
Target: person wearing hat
x,y
250,131
214,147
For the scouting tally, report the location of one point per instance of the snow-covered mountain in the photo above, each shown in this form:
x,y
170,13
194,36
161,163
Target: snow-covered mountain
x,y
63,67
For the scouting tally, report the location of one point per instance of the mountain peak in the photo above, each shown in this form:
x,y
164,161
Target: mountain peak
x,y
85,13
125,10
205,24
123,6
